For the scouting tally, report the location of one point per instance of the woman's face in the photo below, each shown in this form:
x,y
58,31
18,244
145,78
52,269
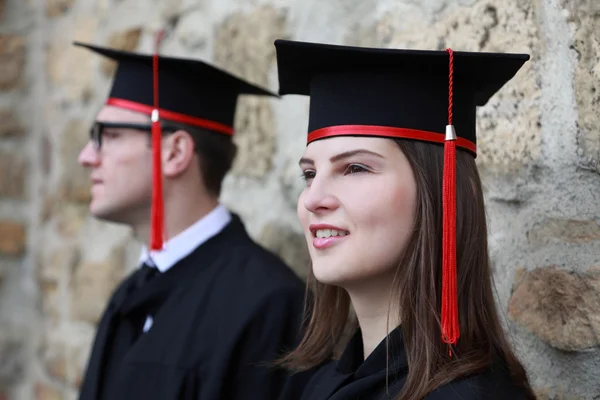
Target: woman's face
x,y
357,209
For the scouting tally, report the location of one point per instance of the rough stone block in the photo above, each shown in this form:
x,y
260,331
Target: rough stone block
x,y
509,127
584,17
59,263
93,283
75,181
291,183
12,354
55,63
553,394
55,8
13,170
56,365
10,125
12,238
51,299
288,244
64,358
560,307
251,57
192,35
45,391
80,80
254,137
63,56
563,231
12,61
126,40
70,219
49,207
46,158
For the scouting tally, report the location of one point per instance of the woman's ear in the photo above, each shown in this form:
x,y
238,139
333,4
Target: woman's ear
x,y
178,153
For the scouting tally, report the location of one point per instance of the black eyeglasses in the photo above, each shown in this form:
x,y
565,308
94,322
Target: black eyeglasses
x,y
98,129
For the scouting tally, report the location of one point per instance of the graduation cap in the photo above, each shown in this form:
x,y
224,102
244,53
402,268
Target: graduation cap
x,y
420,95
180,90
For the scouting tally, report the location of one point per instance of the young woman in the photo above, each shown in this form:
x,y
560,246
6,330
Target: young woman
x,y
394,217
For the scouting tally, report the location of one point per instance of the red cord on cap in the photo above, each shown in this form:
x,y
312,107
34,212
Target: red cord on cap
x,y
450,322
157,213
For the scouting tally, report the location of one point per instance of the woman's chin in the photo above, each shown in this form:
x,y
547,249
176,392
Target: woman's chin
x,y
330,275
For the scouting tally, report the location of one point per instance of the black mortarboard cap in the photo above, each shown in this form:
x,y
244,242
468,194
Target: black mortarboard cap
x,y
393,88
190,90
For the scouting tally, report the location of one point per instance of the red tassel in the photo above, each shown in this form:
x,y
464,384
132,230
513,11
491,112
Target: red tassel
x,y
157,213
450,322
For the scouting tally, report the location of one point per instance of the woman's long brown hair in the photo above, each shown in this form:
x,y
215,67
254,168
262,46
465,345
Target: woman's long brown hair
x,y
417,289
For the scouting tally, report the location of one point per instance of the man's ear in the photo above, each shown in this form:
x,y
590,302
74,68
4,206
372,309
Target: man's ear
x,y
178,153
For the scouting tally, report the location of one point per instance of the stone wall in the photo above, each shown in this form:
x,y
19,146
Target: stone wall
x,y
539,156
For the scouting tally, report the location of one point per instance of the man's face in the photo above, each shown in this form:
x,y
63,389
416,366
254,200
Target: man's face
x,y
121,169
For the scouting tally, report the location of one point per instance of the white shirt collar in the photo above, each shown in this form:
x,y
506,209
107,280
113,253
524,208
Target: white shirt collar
x,y
187,241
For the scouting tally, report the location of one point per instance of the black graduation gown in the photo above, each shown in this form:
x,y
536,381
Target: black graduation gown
x,y
219,315
352,377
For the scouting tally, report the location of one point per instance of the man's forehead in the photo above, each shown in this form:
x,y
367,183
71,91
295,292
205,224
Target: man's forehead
x,y
109,113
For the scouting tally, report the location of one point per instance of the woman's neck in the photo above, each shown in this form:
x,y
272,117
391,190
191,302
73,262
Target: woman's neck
x,y
376,319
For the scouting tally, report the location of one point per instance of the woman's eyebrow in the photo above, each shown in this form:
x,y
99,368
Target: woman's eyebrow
x,y
304,160
342,156
351,153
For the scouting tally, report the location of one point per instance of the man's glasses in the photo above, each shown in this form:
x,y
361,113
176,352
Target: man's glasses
x,y
98,128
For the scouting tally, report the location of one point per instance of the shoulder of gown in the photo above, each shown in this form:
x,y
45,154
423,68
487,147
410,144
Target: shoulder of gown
x,y
491,384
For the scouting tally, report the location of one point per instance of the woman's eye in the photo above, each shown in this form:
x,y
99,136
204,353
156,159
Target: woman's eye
x,y
308,174
355,168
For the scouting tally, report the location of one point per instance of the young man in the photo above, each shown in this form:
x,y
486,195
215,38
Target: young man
x,y
208,309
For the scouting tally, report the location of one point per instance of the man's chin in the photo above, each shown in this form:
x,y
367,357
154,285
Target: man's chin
x,y
104,214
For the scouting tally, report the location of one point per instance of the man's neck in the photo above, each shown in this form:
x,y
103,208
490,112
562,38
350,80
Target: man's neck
x,y
179,215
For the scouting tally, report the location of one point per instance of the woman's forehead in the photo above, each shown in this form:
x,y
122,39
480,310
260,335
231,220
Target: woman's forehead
x,y
339,144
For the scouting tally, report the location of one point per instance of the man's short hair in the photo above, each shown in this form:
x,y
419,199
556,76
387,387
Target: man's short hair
x,y
216,152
